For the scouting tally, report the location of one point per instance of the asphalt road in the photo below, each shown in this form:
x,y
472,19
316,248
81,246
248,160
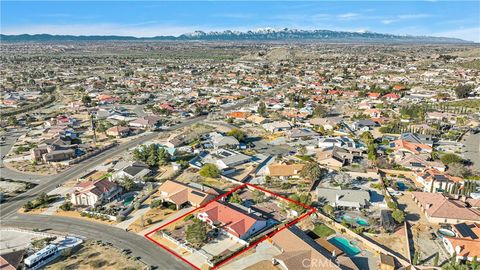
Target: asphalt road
x,y
141,247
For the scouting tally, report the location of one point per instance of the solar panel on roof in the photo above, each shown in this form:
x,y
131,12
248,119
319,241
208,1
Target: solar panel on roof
x,y
465,231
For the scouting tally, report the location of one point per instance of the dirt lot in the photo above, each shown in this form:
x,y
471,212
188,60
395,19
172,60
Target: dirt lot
x,y
95,256
421,230
395,241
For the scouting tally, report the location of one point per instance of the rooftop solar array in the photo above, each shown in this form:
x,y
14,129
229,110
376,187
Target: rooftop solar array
x,y
465,231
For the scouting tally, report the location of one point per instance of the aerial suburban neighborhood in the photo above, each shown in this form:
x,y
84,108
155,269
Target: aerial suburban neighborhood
x,y
229,150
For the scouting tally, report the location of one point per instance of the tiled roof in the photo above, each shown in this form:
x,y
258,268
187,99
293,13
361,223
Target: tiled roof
x,y
234,220
438,206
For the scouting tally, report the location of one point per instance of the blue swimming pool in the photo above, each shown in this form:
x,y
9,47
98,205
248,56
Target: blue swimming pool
x,y
344,245
359,221
401,186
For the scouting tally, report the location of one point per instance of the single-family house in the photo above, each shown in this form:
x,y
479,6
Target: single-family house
x,y
335,157
344,198
284,171
277,126
182,194
439,208
233,221
91,193
465,244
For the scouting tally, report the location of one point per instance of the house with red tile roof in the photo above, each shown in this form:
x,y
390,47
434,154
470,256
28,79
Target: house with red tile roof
x,y
437,181
234,222
466,242
410,147
439,208
374,95
391,96
90,193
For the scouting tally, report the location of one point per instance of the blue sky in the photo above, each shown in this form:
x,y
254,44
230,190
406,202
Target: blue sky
x,y
437,18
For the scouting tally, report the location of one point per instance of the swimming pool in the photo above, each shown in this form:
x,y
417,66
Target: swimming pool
x,y
401,186
344,245
359,221
128,201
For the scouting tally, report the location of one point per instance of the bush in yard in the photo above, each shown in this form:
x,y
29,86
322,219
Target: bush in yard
x,y
209,170
392,205
155,204
196,233
328,209
398,215
67,206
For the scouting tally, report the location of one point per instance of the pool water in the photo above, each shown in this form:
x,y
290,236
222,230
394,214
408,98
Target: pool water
x,y
359,221
128,201
401,186
344,245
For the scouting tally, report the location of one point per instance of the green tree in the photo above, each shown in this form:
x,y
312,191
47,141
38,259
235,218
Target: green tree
x,y
320,111
462,90
86,100
303,198
163,156
312,171
235,198
328,209
367,137
450,158
262,109
209,170
196,233
127,183
398,215
238,134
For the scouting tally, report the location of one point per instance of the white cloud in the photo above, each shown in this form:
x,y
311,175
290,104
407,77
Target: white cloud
x,y
388,21
349,15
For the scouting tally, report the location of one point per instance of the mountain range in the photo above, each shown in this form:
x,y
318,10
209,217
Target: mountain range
x,y
256,35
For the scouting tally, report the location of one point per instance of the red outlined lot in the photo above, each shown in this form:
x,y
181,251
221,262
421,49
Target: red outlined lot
x,y
310,210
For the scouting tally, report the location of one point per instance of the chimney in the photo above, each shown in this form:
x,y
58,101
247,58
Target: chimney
x,y
428,205
458,249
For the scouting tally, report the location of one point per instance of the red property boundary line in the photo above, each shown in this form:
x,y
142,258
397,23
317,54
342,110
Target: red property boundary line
x,y
311,210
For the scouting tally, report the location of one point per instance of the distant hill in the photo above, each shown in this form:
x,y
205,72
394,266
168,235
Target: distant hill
x,y
258,35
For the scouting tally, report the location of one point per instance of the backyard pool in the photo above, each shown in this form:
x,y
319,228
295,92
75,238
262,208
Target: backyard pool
x,y
344,245
128,201
359,221
401,186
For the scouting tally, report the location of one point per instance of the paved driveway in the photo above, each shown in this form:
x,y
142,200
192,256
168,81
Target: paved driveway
x,y
221,244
